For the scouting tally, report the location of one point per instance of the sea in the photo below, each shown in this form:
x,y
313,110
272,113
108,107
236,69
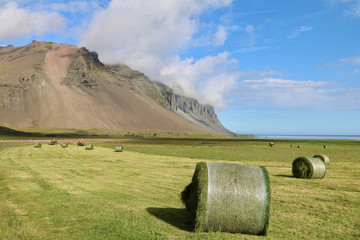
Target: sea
x,y
279,136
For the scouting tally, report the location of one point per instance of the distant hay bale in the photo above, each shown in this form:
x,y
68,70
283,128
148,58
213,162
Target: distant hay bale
x,y
229,197
118,149
64,145
307,167
323,158
299,146
89,147
325,146
37,145
291,145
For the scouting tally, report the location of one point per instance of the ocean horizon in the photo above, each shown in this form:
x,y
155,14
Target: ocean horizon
x,y
305,136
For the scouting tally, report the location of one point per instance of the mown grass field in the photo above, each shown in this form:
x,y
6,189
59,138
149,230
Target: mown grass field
x,y
71,193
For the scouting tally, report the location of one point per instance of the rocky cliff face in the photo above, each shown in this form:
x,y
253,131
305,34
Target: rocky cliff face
x,y
58,85
187,108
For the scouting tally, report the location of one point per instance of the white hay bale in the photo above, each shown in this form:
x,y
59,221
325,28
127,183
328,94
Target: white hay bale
x,y
307,167
323,158
118,149
229,197
89,147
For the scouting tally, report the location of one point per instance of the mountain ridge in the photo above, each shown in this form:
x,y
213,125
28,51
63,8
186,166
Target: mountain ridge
x,y
47,84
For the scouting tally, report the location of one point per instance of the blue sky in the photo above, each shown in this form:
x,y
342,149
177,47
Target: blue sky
x,y
286,67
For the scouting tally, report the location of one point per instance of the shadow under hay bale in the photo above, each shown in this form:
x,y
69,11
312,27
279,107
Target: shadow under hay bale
x,y
177,217
307,167
323,158
229,197
64,145
37,145
118,149
89,147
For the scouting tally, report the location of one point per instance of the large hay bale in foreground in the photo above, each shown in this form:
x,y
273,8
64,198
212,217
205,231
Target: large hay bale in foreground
x,y
229,197
64,145
37,145
307,167
323,158
118,149
89,147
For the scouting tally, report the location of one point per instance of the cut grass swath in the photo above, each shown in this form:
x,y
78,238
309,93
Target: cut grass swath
x,y
229,197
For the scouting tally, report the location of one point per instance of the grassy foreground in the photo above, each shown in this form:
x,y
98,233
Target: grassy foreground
x,y
71,193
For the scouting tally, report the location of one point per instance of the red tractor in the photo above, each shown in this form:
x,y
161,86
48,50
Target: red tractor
x,y
81,143
53,142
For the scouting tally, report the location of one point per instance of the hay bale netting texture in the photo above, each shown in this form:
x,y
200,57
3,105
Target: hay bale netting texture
x,y
229,197
89,147
64,145
118,149
37,145
307,167
323,158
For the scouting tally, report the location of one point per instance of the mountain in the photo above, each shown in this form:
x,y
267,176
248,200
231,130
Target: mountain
x,y
51,85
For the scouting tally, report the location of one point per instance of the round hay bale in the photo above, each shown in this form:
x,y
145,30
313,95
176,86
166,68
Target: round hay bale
x,y
37,145
64,145
299,146
89,147
291,145
323,158
307,167
325,146
229,197
118,149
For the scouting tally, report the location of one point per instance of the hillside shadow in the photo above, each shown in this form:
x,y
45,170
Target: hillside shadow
x,y
287,176
177,217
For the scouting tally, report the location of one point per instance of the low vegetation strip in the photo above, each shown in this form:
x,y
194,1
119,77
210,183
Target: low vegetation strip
x,y
56,193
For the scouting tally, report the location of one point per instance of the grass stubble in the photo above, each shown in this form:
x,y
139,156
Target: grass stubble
x,y
56,193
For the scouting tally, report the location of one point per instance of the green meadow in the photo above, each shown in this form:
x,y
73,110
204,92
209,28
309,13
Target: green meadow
x,y
72,193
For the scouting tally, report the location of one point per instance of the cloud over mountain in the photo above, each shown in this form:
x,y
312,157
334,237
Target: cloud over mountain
x,y
148,35
20,22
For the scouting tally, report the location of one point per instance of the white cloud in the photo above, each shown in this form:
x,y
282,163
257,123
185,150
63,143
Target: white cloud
x,y
355,60
72,7
220,36
289,94
19,22
251,49
214,37
334,2
256,74
355,11
146,36
353,6
300,30
250,31
206,79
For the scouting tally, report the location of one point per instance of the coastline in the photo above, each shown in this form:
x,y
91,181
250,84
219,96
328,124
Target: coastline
x,y
288,136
